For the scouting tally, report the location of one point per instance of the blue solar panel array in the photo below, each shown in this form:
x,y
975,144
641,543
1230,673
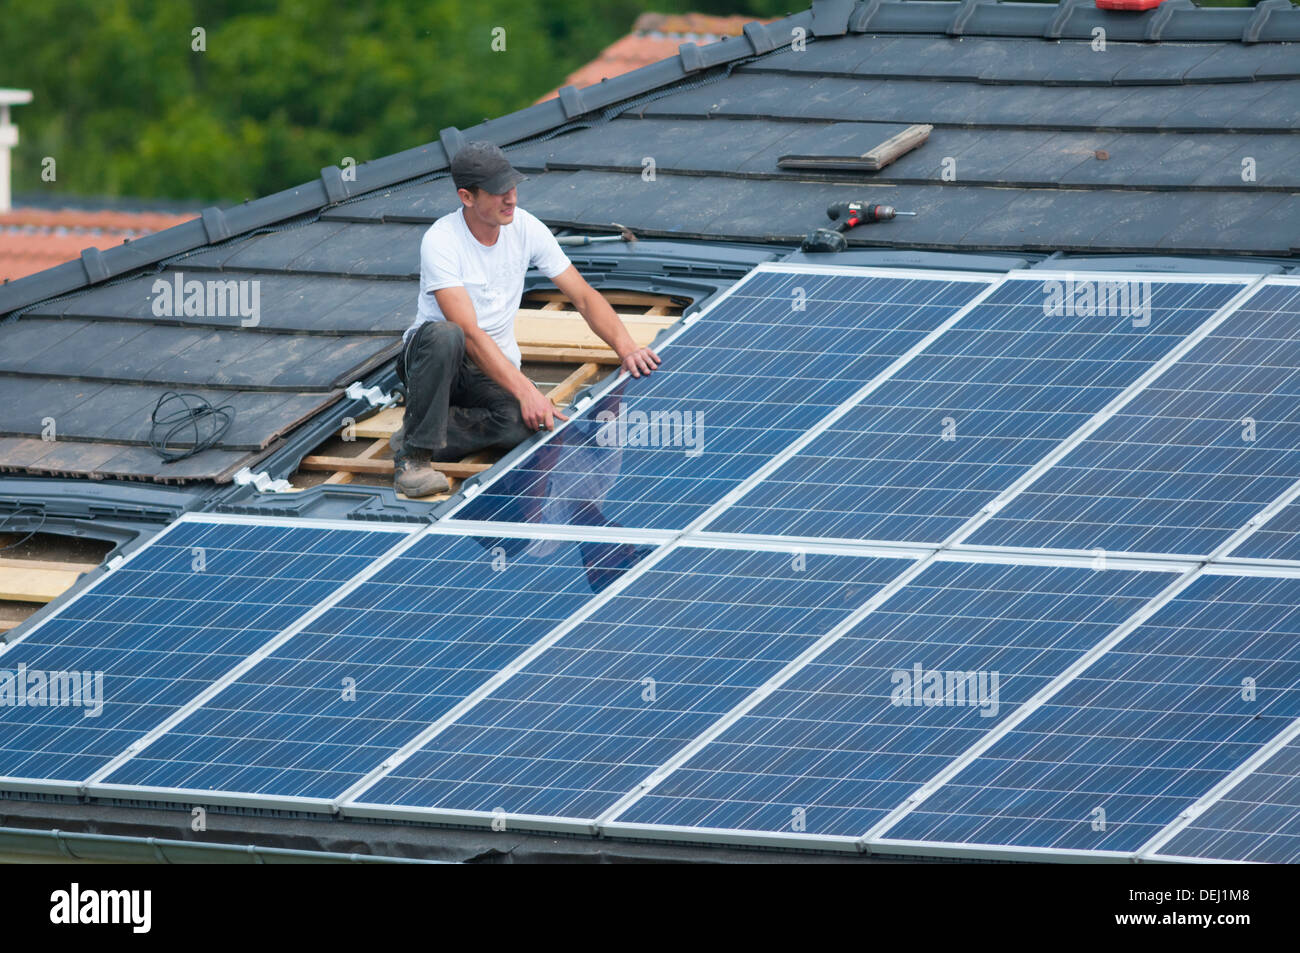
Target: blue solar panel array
x,y
1257,821
330,704
678,638
1143,733
1191,459
962,421
592,716
888,706
159,629
739,386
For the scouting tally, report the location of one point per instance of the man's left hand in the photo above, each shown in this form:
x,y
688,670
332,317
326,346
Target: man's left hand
x,y
641,361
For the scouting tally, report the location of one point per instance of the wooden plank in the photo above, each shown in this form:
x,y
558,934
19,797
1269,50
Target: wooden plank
x,y
359,465
895,146
568,355
873,160
374,450
613,297
657,320
560,329
383,424
35,585
46,564
7,624
563,392
368,453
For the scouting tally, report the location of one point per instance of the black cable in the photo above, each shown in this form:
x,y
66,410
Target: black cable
x,y
38,510
188,417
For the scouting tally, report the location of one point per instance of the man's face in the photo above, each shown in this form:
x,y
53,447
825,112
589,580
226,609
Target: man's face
x,y
491,209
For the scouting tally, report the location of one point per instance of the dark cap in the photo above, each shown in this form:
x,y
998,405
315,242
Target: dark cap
x,y
483,164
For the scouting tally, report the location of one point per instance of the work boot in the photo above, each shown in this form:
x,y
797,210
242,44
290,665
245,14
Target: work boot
x,y
396,438
413,476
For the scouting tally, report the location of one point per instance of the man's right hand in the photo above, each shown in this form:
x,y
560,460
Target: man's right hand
x,y
538,411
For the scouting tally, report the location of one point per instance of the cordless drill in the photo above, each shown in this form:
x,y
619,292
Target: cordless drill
x,y
847,215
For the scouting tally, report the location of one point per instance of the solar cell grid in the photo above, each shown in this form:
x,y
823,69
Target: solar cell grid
x,y
1279,538
160,628
893,701
391,657
444,656
1257,821
590,717
744,382
957,425
1190,460
1143,733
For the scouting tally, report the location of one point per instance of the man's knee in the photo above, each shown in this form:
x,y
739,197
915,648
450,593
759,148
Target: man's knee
x,y
436,338
507,418
513,429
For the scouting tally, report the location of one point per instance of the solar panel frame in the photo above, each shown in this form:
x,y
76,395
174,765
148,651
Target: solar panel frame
x,y
1246,286
451,511
877,840
98,786
355,805
605,826
1180,429
284,694
1207,821
611,825
56,609
695,536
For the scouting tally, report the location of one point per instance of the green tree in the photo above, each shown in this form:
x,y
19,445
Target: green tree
x,y
127,105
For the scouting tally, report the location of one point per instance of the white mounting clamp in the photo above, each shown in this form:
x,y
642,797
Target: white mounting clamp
x,y
262,481
375,396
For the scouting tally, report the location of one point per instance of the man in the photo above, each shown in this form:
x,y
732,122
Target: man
x,y
460,361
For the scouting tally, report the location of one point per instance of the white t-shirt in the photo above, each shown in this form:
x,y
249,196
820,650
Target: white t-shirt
x,y
450,256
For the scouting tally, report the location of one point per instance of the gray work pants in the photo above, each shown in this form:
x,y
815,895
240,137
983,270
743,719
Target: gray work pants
x,y
453,408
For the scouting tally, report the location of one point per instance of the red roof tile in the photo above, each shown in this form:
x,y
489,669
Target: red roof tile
x,y
654,36
32,239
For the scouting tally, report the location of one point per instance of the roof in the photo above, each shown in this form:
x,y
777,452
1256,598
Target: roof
x,y
654,36
1040,145
335,259
32,240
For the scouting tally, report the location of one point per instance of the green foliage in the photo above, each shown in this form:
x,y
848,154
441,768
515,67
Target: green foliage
x,y
284,87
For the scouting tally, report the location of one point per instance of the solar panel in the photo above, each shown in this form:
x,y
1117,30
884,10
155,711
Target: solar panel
x,y
150,635
591,642
585,721
1257,821
1279,538
955,427
327,706
770,360
1121,749
929,672
1191,459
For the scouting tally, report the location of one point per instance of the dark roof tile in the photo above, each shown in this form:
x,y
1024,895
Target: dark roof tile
x,y
1024,116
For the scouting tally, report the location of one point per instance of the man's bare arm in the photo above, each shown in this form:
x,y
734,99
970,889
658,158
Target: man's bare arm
x,y
600,317
537,409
